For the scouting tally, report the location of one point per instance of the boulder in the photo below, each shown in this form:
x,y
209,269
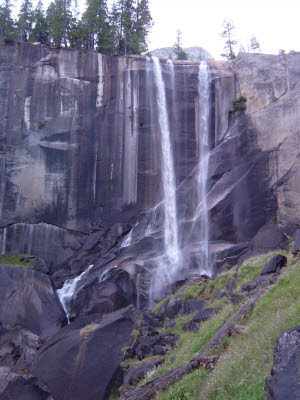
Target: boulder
x,y
139,371
195,305
237,298
152,319
28,299
177,284
284,382
172,307
82,361
274,265
203,315
39,265
261,282
18,348
116,291
19,387
96,298
267,239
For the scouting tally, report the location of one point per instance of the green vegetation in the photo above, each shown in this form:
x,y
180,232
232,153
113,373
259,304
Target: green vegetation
x,y
14,260
241,371
180,53
274,219
41,124
158,305
192,292
122,29
190,343
88,329
251,268
239,104
245,359
228,34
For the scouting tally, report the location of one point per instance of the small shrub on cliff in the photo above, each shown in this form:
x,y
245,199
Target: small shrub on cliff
x,y
239,104
41,124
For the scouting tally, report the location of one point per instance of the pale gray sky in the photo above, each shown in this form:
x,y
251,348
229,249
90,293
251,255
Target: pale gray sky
x,y
275,23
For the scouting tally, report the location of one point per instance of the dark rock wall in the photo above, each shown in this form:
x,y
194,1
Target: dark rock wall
x,y
80,144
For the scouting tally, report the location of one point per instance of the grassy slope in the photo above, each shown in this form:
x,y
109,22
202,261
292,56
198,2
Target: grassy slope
x,y
245,360
14,260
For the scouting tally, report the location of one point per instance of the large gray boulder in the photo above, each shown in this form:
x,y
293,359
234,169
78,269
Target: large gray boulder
x,y
274,265
82,361
283,384
28,299
116,291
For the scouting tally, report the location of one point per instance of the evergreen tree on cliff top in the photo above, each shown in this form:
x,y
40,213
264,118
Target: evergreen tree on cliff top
x,y
59,17
25,21
40,31
180,54
95,20
135,22
228,34
7,26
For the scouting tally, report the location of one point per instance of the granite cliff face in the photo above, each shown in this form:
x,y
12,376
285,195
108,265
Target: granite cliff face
x,y
80,149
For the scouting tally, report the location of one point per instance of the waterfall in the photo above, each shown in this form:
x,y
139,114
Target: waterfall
x,y
203,129
68,290
168,176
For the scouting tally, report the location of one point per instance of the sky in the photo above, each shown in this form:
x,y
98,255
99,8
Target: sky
x,y
275,23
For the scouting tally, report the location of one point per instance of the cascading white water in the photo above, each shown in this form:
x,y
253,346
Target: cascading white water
x,y
170,225
204,97
127,242
68,290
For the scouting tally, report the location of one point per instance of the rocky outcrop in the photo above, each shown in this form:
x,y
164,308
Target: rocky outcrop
x,y
28,299
101,297
79,144
80,152
193,53
254,168
284,382
86,356
274,265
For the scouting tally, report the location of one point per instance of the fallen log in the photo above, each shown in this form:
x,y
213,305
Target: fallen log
x,y
150,389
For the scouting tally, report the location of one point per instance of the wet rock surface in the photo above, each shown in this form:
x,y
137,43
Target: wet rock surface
x,y
28,299
97,297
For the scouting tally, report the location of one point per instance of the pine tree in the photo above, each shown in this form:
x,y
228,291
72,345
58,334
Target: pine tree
x,y
94,19
7,25
40,31
254,45
114,18
143,25
25,21
180,54
228,34
59,17
127,17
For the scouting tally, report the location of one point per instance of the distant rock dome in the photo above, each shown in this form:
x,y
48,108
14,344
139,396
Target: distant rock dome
x,y
193,53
